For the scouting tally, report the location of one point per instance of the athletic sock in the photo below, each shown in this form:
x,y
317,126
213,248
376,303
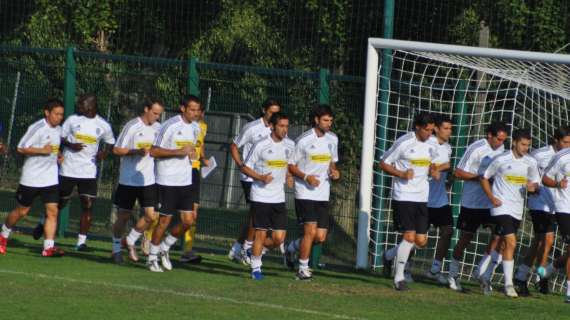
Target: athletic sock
x,y
116,245
255,263
167,243
48,244
6,231
508,268
401,258
153,252
549,270
495,262
294,246
282,248
391,253
454,268
435,266
484,264
522,272
236,247
81,239
568,288
247,245
133,237
303,264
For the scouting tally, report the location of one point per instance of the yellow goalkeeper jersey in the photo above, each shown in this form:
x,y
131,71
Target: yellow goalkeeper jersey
x,y
199,143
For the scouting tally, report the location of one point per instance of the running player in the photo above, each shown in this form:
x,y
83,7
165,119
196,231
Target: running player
x,y
514,173
250,133
40,145
541,207
475,206
174,150
136,176
409,161
316,154
267,163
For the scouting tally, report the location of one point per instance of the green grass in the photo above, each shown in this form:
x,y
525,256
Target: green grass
x,y
89,286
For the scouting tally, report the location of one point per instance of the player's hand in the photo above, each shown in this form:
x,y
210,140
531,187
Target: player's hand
x,y
290,181
532,187
334,174
101,155
206,162
312,180
76,146
434,172
144,151
46,150
266,178
189,151
496,202
408,174
563,184
60,158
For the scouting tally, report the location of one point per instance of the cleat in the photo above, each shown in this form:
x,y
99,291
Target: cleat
x,y
522,288
117,258
257,275
485,285
38,231
246,257
511,292
165,261
3,244
234,256
133,256
387,270
408,277
154,267
401,286
438,276
543,286
190,257
454,284
82,247
304,275
53,252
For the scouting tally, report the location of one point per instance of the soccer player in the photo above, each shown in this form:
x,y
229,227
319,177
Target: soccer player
x,y
514,173
541,205
174,150
40,145
439,211
136,176
82,134
250,133
475,206
556,176
409,161
316,154
267,163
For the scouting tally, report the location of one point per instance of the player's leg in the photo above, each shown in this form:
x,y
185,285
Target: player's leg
x,y
147,198
87,189
188,254
65,187
167,202
50,198
24,199
406,212
506,228
124,200
468,223
441,218
237,246
261,216
563,221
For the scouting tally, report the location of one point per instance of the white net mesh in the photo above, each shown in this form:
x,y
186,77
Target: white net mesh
x,y
473,91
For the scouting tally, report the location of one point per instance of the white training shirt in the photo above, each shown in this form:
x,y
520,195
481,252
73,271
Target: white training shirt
x,y
90,132
558,169
268,156
40,170
476,159
175,134
438,196
510,176
542,201
251,133
410,153
137,170
313,156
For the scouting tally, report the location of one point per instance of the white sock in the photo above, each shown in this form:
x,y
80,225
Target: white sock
x,y
454,268
483,264
167,243
6,231
435,266
116,245
522,272
81,239
133,237
247,245
404,250
255,263
508,268
153,252
236,247
282,248
48,244
391,253
294,245
568,288
264,251
493,266
303,264
549,270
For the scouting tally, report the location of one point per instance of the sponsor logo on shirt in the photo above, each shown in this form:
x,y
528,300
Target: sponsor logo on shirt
x,y
321,158
183,143
143,145
85,138
54,148
420,162
276,164
517,180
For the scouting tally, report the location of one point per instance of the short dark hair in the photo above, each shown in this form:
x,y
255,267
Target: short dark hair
x,y
150,101
497,126
270,102
276,117
319,111
86,102
441,119
522,133
422,119
53,103
191,98
560,133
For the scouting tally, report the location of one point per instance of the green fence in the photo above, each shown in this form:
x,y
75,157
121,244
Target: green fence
x,y
232,94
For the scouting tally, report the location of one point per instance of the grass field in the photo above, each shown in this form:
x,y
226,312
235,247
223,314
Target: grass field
x,y
89,286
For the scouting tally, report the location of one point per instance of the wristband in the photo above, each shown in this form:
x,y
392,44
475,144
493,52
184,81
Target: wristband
x,y
305,177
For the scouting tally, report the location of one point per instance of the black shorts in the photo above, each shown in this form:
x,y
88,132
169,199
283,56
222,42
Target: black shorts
x,y
268,216
505,225
311,211
542,222
440,217
25,195
246,185
126,196
411,216
563,221
173,199
470,219
196,185
85,187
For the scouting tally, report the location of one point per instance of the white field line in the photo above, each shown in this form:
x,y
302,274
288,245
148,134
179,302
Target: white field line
x,y
179,293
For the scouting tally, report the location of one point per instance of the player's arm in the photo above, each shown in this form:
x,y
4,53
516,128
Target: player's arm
x,y
104,151
234,151
160,152
78,146
265,178
391,170
486,184
464,175
549,177
121,152
203,157
334,173
310,179
34,151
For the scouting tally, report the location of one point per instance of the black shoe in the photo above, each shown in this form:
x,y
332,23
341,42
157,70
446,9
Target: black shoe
x,y
82,247
522,288
289,259
387,270
543,286
118,258
401,286
38,231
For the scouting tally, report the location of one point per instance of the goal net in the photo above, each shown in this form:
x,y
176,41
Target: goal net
x,y
473,86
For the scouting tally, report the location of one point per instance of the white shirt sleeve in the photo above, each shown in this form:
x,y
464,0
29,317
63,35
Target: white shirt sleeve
x,y
252,156
108,136
335,151
292,153
468,161
533,173
125,138
393,154
29,138
163,138
553,168
491,170
66,128
243,136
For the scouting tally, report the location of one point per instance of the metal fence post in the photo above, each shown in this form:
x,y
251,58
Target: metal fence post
x,y
193,82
